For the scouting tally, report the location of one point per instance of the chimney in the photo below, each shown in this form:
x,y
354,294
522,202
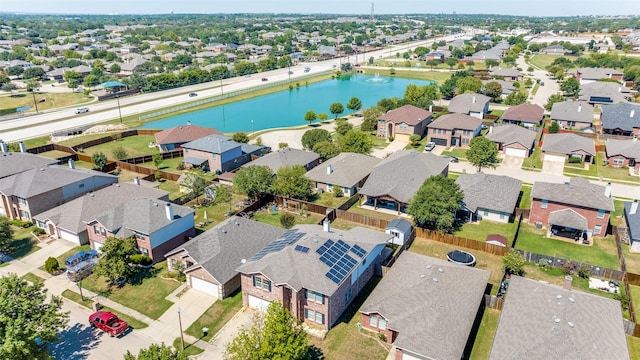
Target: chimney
x,y
136,181
3,147
633,112
72,164
326,225
634,207
474,99
329,169
579,107
431,108
567,282
607,190
169,211
22,147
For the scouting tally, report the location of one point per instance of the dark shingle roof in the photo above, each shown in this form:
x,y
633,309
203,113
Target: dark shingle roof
x,y
492,192
16,162
621,116
578,192
531,113
347,169
466,103
215,144
567,144
572,111
456,121
627,148
632,220
285,157
408,114
510,134
568,218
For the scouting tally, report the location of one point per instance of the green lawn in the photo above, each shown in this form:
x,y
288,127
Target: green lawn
x,y
189,349
155,290
329,199
480,230
172,187
135,146
602,253
534,161
274,219
457,152
437,76
634,347
88,303
216,317
33,278
51,100
599,169
168,165
84,138
525,197
23,242
635,296
632,260
543,60
615,218
484,337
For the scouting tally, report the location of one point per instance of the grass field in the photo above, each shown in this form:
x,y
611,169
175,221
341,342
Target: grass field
x,y
484,337
480,230
88,303
33,278
437,76
134,145
189,349
534,161
543,60
51,100
274,219
599,169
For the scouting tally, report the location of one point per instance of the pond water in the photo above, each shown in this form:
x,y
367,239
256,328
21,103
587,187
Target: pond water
x,y
287,108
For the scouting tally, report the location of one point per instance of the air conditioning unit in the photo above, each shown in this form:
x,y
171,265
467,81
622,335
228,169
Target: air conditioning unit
x,y
538,225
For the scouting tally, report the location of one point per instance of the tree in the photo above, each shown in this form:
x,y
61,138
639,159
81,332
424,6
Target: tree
x,y
571,87
114,261
555,98
421,96
433,63
240,137
370,118
223,194
8,87
414,140
451,62
6,235
157,352
493,89
435,203
287,220
14,70
323,116
513,262
310,116
34,72
157,160
195,181
326,149
482,153
491,63
354,104
51,265
291,182
72,78
336,109
516,98
311,137
356,141
468,84
253,180
119,152
114,68
343,126
99,160
278,336
27,320
554,128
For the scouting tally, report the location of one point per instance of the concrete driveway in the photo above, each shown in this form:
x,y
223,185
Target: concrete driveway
x,y
512,162
553,167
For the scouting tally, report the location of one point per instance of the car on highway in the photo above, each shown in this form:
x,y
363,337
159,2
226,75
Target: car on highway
x,y
108,322
430,146
264,79
82,110
307,69
193,94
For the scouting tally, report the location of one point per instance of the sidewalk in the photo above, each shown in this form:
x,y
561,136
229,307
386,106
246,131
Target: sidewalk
x,y
394,146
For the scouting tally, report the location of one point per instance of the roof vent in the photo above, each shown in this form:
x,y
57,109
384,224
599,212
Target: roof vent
x,y
224,231
92,195
571,325
559,296
315,240
237,223
422,276
435,279
243,261
440,270
571,299
556,320
428,266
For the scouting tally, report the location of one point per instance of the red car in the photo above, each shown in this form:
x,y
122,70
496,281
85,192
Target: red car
x,y
108,322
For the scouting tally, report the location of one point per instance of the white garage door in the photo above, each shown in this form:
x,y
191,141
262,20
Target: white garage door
x,y
515,152
257,303
407,356
97,245
554,158
204,286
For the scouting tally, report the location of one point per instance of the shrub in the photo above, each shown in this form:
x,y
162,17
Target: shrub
x,y
51,265
21,223
259,141
567,268
575,160
382,336
39,231
180,167
282,145
543,262
337,191
287,220
391,138
583,271
119,153
140,259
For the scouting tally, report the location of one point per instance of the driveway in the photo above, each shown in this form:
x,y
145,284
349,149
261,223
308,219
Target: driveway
x,y
512,162
243,319
553,167
396,145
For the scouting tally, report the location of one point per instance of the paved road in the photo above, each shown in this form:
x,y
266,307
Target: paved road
x,y
549,88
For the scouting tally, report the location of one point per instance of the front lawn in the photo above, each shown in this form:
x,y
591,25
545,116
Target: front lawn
x,y
457,152
189,349
23,242
484,337
480,230
216,317
525,197
600,169
134,145
33,278
88,303
274,219
534,161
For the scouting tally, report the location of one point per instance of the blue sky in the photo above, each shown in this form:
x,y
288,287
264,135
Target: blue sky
x,y
512,7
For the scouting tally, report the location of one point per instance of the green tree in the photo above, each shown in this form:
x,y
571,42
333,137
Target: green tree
x,y
451,62
435,203
27,319
336,109
114,68
433,63
491,63
278,336
414,140
34,72
468,84
311,137
223,195
343,126
354,104
493,89
119,152
482,153
157,352
516,98
114,261
356,141
157,160
370,118
195,181
554,128
310,116
287,220
72,78
323,116
51,265
326,149
421,96
513,262
291,182
240,137
555,98
15,70
6,235
99,160
571,87
253,180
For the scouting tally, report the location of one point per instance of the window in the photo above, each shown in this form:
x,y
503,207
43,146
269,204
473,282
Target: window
x,y
315,296
315,316
22,201
103,231
544,203
501,215
24,214
382,323
262,283
347,296
571,123
600,214
143,250
618,161
597,229
486,212
81,186
96,230
140,237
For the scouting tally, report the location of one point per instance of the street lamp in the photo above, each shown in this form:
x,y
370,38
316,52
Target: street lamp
x,y
33,92
181,334
119,111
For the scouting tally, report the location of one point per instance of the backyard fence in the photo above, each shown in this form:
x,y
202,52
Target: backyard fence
x,y
298,204
493,302
349,203
462,242
149,158
594,270
362,219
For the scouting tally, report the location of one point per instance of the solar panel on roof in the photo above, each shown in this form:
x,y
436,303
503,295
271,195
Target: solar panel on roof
x,y
339,261
358,250
288,238
327,244
302,249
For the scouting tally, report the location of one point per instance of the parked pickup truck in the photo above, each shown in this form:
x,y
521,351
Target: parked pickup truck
x,y
108,322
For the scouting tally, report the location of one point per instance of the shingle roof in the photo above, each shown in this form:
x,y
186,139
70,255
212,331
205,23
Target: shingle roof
x,y
578,192
603,92
597,73
492,192
568,218
466,103
409,114
216,144
632,220
621,116
285,157
401,174
347,169
432,318
567,144
183,134
531,113
456,121
572,111
16,162
72,215
509,72
544,321
194,160
221,249
627,148
402,225
510,134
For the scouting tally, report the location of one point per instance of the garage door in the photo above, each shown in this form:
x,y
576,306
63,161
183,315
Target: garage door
x,y
204,286
554,158
515,152
97,245
257,303
408,356
438,141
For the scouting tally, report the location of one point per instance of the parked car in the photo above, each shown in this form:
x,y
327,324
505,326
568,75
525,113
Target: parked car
x,y
541,83
82,110
453,159
264,79
192,94
307,69
108,322
430,146
79,257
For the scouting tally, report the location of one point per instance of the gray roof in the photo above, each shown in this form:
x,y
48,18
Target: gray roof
x,y
572,111
597,73
305,270
578,192
632,220
72,215
621,116
347,169
509,72
432,318
627,148
16,162
568,218
285,157
194,160
544,321
141,215
401,174
215,144
402,225
510,134
221,249
568,143
603,92
456,121
466,103
491,192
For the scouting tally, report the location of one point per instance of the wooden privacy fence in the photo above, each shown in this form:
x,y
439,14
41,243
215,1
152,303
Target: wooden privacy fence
x,y
462,242
149,158
362,219
297,205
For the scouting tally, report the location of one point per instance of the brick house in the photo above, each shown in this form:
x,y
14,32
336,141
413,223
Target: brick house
x,y
561,147
426,307
489,197
218,153
173,138
572,114
157,226
348,171
475,105
624,153
590,75
575,209
454,129
512,139
621,119
314,272
527,115
404,121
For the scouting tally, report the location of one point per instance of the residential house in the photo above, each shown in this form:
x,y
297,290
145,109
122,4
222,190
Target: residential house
x,y
156,225
475,105
577,208
621,119
572,114
528,115
454,129
403,122
67,221
173,138
12,163
218,153
313,271
632,220
560,147
326,50
506,86
624,153
489,197
348,171
210,259
287,157
435,55
604,93
507,74
396,179
426,307
591,75
132,66
512,140
554,50
484,55
545,321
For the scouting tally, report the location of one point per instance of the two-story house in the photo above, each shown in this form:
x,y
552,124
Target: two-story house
x,y
348,171
621,119
454,129
404,121
475,105
217,153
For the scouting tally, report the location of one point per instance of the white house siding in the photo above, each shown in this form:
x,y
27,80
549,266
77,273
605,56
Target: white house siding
x,y
485,214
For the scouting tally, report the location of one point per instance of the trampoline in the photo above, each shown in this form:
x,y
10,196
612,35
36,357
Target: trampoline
x,y
461,257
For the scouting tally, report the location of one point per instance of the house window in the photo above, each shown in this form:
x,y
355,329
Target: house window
x,y
597,229
22,201
571,123
315,297
261,283
600,214
315,316
544,203
382,323
81,186
486,212
347,296
143,250
501,215
96,230
24,214
140,237
373,320
618,161
103,231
